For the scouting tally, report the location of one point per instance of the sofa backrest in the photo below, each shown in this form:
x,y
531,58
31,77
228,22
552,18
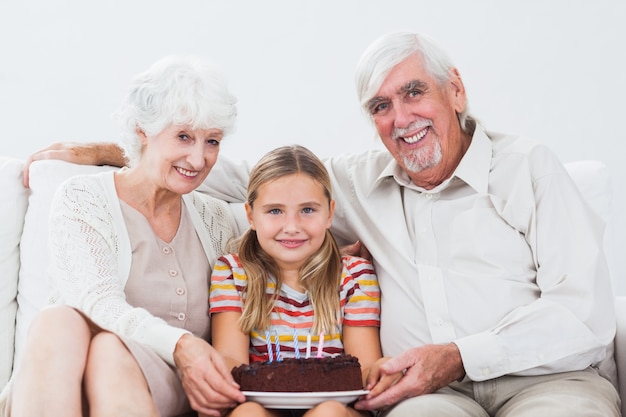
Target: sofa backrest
x,y
24,231
12,211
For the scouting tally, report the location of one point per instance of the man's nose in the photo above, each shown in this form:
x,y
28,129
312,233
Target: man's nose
x,y
403,116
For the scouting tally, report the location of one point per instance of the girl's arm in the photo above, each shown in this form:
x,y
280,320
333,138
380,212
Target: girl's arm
x,y
364,343
228,340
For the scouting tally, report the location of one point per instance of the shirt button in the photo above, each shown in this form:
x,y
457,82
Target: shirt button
x,y
486,371
180,291
173,272
440,322
167,250
181,316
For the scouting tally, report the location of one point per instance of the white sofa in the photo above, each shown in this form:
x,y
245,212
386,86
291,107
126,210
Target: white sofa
x,y
23,247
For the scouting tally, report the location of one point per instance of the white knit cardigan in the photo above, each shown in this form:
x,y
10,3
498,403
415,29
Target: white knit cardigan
x,y
90,256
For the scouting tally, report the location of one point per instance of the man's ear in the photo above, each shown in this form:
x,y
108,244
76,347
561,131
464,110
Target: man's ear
x,y
457,90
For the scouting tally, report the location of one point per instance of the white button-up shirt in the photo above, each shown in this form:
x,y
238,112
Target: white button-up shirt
x,y
504,259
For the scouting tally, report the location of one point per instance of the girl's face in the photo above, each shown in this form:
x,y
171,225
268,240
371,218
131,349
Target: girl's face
x,y
290,216
179,158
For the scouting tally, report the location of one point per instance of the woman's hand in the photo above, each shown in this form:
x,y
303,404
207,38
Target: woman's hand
x,y
206,378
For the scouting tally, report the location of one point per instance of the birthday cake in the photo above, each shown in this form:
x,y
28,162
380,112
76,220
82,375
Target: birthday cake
x,y
339,373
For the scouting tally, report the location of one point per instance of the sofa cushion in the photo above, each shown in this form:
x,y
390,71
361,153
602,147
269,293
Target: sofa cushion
x,y
593,179
12,210
33,289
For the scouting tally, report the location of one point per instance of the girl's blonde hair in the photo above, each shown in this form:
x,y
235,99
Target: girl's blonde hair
x,y
320,275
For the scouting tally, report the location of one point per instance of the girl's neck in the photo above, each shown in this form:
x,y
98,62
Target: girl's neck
x,y
291,278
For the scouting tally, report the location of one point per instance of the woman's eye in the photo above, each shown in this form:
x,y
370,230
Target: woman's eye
x,y
213,142
183,137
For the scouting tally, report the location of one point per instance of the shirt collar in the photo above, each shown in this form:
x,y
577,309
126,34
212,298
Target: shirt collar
x,y
473,169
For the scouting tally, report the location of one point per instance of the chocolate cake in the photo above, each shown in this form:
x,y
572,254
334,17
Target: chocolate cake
x,y
339,373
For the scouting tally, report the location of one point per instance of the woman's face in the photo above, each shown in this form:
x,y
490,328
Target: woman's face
x,y
179,158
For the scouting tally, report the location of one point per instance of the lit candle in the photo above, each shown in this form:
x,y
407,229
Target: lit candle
x,y
320,346
268,340
308,346
278,359
296,348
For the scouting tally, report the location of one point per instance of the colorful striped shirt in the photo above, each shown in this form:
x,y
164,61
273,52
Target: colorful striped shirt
x,y
292,316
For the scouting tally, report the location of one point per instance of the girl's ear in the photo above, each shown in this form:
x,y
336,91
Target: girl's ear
x,y
331,213
249,214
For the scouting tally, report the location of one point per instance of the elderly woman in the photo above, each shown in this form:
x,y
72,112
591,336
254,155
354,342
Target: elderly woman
x,y
131,256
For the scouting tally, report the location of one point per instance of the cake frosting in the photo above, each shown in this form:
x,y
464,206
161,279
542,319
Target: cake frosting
x,y
339,373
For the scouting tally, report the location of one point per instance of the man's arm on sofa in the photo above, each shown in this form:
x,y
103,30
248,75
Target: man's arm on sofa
x,y
105,153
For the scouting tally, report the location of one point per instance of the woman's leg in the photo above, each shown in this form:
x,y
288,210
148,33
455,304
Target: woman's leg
x,y
114,383
48,381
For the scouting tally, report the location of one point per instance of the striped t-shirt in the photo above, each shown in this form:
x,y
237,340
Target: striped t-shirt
x,y
292,316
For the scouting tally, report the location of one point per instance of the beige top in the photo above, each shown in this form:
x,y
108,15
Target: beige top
x,y
170,280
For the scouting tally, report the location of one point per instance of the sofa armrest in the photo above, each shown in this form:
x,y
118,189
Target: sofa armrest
x,y
620,346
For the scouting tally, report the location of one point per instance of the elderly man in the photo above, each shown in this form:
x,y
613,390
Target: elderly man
x,y
496,293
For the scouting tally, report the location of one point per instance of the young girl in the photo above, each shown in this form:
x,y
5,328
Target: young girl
x,y
289,280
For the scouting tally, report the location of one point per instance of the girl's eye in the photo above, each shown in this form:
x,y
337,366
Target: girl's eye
x,y
274,211
308,210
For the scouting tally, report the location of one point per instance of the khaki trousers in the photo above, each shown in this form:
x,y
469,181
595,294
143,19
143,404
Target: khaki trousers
x,y
569,394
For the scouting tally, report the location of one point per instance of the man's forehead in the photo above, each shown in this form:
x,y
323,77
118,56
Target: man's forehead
x,y
400,87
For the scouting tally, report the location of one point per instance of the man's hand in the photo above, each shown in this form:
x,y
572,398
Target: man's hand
x,y
427,369
78,153
356,249
206,378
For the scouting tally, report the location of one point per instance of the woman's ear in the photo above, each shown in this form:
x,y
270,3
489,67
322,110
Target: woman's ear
x,y
143,139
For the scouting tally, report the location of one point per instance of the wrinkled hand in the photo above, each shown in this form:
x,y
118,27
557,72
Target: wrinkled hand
x,y
356,249
77,153
377,381
206,378
427,369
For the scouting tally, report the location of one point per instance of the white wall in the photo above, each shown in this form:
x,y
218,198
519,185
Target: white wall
x,y
554,70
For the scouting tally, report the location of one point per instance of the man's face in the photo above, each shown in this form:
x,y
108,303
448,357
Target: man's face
x,y
416,118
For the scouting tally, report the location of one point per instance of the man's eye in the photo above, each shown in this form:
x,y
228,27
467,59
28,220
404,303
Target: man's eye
x,y
414,93
379,107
